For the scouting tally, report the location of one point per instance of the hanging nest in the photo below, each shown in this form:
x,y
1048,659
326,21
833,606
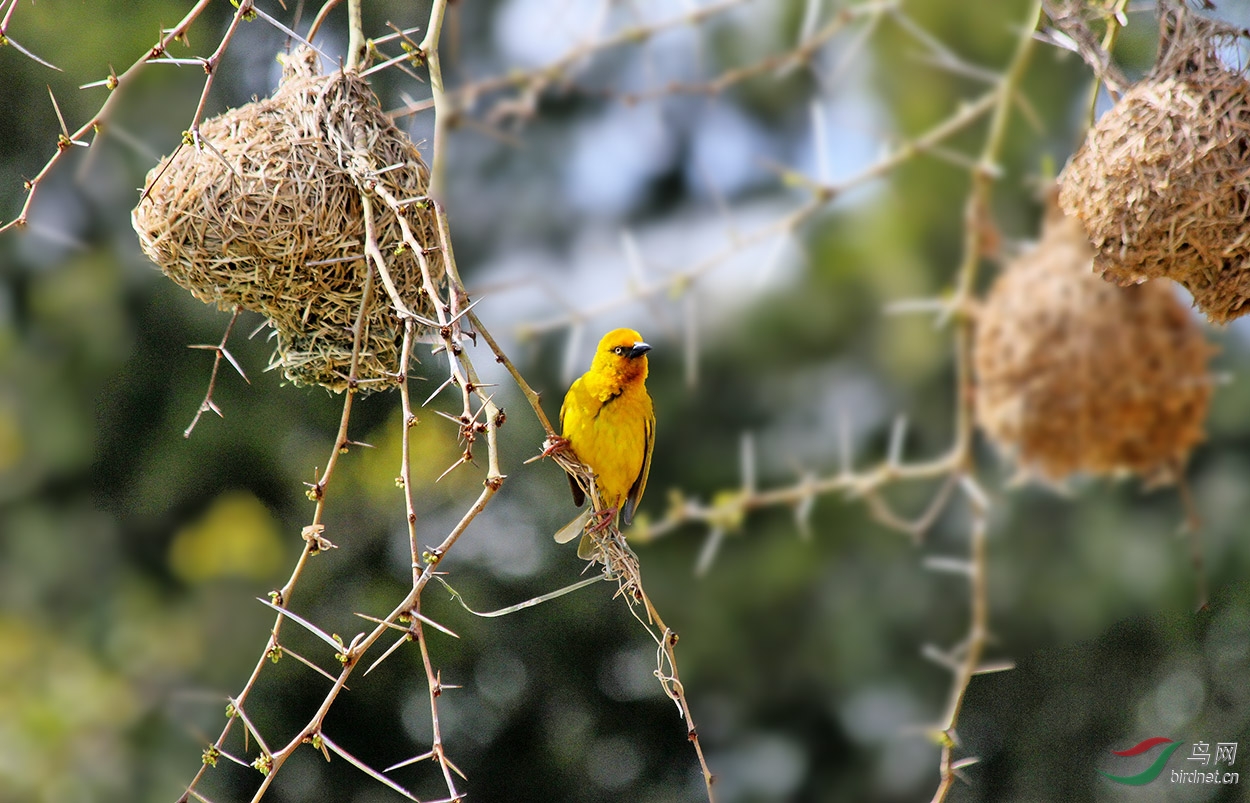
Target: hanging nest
x,y
266,214
1161,181
1075,374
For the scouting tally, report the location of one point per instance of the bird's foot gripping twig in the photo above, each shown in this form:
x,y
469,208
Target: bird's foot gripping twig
x,y
554,445
600,520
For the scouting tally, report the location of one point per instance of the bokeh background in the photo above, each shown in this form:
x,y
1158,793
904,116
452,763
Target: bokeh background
x,y
130,557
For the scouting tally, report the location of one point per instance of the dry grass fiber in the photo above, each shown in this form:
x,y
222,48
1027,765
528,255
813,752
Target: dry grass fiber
x,y
1162,182
1077,375
266,214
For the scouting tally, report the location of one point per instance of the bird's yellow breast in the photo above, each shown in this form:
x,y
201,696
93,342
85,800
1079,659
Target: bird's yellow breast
x,y
609,433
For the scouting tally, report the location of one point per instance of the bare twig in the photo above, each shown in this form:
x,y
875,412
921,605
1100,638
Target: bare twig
x,y
681,281
530,84
357,49
219,352
453,321
98,120
801,54
668,676
210,66
5,39
442,112
313,544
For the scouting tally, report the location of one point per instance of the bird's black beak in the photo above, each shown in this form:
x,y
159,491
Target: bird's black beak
x,y
638,350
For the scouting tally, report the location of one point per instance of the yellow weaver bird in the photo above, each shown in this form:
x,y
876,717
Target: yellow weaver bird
x,y
608,422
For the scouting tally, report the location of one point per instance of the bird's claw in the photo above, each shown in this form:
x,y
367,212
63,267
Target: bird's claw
x,y
554,445
601,519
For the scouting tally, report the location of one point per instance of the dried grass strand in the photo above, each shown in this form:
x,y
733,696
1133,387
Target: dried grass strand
x,y
1075,374
1162,183
269,216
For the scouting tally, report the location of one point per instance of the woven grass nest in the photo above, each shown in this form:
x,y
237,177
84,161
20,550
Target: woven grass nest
x,y
1161,182
1077,375
267,215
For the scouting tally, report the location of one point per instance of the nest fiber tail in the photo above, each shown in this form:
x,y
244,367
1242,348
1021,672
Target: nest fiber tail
x,y
1077,375
266,214
1162,182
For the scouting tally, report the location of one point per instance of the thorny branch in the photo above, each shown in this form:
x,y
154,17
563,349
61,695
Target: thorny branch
x,y
424,563
822,194
219,352
5,39
530,85
955,469
96,124
449,312
666,671
314,543
210,66
1072,32
452,310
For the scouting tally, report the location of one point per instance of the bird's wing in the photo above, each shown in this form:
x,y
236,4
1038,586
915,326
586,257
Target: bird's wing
x,y
564,406
575,527
640,484
579,496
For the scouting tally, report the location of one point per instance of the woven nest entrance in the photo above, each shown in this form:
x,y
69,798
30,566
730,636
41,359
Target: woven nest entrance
x,y
266,214
1162,182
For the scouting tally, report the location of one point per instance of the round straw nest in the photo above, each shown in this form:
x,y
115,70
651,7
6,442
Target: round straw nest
x,y
266,213
1075,374
1161,182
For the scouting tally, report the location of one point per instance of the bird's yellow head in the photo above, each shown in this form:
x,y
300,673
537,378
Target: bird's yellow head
x,y
621,357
